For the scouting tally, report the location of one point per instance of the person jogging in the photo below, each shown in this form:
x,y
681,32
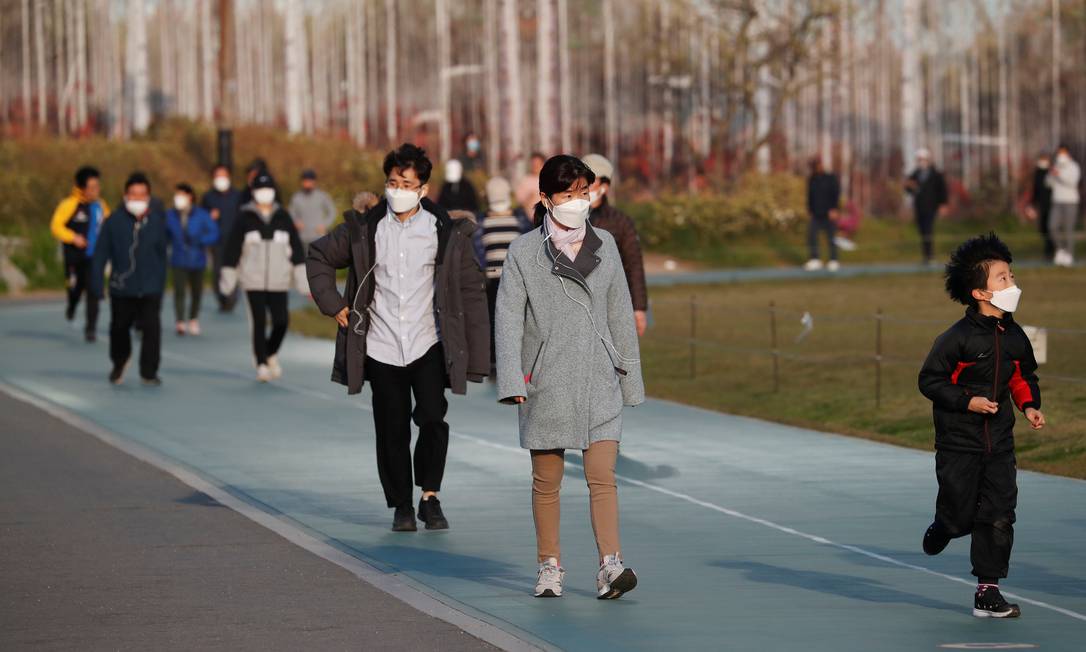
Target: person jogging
x,y
76,223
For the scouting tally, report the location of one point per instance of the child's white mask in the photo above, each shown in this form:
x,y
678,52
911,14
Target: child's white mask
x,y
1007,298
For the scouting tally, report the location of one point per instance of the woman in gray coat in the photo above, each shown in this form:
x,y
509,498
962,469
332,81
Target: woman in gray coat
x,y
567,356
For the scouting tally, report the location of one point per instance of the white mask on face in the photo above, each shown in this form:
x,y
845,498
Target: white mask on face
x,y
181,202
222,184
572,214
454,171
595,195
1006,299
402,201
264,196
137,207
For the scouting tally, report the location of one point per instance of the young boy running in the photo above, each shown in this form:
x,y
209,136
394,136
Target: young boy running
x,y
974,371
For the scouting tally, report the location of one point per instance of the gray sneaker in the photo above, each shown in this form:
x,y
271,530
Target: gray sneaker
x,y
614,579
548,583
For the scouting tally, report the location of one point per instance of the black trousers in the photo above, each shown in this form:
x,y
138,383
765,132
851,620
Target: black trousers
x,y
392,388
492,302
260,304
187,282
925,224
78,278
817,225
126,312
226,301
977,495
1043,213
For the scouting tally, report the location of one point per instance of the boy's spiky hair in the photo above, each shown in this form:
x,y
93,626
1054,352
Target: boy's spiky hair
x,y
968,266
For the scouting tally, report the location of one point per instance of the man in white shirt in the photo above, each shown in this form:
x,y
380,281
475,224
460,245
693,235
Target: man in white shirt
x,y
413,321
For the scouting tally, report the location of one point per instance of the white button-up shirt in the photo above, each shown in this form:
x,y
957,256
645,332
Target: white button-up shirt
x,y
403,326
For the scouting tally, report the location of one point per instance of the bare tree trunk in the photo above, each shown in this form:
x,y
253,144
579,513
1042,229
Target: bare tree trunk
x,y
1004,162
564,78
39,52
58,62
294,29
910,83
227,59
514,109
136,68
826,100
1057,127
25,62
493,94
444,65
392,128
81,64
610,110
207,68
544,76
356,73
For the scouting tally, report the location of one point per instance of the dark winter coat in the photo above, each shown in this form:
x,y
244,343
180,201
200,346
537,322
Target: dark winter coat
x,y
189,243
979,356
929,194
621,227
136,252
823,195
228,204
459,294
459,196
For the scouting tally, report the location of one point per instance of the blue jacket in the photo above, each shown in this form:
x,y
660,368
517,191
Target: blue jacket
x,y
121,242
188,244
229,204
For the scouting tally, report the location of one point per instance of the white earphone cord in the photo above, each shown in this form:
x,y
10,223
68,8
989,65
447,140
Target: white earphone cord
x,y
588,311
119,281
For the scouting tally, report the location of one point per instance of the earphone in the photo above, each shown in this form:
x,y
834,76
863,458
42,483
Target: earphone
x,y
354,302
119,281
588,311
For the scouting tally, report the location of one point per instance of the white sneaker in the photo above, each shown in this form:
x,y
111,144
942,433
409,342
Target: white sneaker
x,y
813,265
273,367
548,583
194,327
833,266
614,579
1062,258
263,373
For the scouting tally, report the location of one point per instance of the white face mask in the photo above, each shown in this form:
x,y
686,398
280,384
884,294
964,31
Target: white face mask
x,y
222,184
402,201
264,196
137,207
1006,299
595,195
181,202
454,171
572,214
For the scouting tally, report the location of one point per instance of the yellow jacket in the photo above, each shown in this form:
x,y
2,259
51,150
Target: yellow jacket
x,y
66,209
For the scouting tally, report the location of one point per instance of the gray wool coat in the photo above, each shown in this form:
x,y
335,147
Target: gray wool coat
x,y
548,349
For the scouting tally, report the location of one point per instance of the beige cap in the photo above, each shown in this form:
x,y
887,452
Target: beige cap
x,y
599,165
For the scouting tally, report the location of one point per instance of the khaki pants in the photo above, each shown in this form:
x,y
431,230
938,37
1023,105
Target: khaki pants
x,y
599,471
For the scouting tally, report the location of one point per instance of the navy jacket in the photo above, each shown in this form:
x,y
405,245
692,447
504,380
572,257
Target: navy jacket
x,y
124,241
979,356
823,194
188,245
229,204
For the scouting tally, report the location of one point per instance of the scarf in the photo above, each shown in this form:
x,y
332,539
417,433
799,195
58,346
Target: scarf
x,y
568,241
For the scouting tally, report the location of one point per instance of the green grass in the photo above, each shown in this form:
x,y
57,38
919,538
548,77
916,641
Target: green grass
x,y
827,380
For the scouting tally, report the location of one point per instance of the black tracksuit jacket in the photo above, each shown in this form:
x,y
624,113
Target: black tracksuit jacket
x,y
979,356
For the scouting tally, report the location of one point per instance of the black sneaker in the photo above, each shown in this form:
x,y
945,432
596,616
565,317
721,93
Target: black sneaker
x,y
430,513
935,539
90,336
69,313
989,603
404,520
116,376
151,382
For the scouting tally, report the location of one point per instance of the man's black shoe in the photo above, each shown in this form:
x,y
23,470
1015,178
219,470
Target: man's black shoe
x,y
151,382
935,539
90,336
989,603
404,520
430,513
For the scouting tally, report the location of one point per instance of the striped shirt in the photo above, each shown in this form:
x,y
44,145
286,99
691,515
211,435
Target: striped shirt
x,y
499,231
